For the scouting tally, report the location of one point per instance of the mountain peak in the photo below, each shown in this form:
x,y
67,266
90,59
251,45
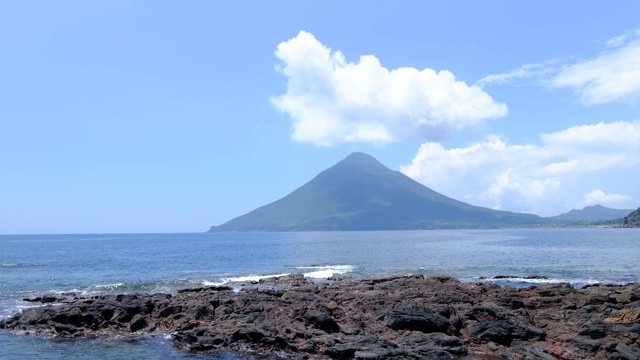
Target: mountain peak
x,y
361,158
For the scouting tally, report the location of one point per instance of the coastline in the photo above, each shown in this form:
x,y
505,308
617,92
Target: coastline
x,y
408,316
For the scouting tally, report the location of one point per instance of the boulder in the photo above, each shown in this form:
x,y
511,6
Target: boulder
x,y
138,322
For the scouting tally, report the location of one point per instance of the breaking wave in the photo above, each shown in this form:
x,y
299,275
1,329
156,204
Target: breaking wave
x,y
311,272
325,271
132,287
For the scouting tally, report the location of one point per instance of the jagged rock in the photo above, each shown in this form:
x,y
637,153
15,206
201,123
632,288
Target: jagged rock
x,y
625,316
321,320
395,317
415,317
627,352
503,332
425,343
529,352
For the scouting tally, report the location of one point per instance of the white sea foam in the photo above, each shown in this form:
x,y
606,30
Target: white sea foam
x,y
212,283
132,287
325,271
312,271
59,292
252,278
108,286
22,307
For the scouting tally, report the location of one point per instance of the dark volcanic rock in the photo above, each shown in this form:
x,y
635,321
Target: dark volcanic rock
x,y
415,316
502,332
321,320
395,317
138,322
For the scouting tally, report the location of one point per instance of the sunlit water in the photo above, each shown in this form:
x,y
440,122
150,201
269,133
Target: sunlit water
x,y
94,264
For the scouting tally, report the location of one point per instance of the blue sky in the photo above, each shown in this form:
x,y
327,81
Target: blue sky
x,y
172,116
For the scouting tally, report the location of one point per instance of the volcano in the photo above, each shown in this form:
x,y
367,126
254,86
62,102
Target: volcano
x,y
359,193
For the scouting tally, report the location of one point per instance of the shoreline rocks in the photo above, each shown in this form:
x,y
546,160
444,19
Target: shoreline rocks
x,y
393,317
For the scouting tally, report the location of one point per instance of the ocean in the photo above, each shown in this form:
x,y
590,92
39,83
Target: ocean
x,y
31,265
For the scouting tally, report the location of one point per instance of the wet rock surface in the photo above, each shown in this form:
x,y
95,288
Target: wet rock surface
x,y
395,317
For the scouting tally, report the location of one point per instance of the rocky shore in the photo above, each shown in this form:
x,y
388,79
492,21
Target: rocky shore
x,y
396,317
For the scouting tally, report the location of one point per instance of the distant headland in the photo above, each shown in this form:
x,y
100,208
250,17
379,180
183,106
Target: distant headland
x,y
633,219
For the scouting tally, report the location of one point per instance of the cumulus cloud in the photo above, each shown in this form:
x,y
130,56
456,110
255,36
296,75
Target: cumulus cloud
x,y
528,178
599,197
333,101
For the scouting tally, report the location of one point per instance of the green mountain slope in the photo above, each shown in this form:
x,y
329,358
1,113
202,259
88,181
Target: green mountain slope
x,y
359,193
633,219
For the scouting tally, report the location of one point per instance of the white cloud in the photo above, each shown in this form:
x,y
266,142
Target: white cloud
x,y
620,40
617,134
528,178
613,75
616,41
527,71
599,197
333,101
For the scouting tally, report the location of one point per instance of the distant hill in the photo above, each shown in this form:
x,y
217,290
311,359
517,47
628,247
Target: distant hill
x,y
592,213
359,193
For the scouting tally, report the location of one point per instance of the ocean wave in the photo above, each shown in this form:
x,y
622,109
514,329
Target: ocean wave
x,y
136,286
325,271
525,281
311,271
245,278
13,305
172,285
17,265
109,286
